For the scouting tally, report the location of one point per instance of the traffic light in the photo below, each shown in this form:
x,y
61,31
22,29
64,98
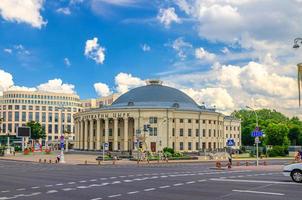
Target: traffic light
x,y
140,144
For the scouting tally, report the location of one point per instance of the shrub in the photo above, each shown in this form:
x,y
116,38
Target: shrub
x,y
170,150
278,151
47,151
177,154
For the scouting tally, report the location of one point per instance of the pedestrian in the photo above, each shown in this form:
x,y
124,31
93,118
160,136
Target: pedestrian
x,y
58,157
230,159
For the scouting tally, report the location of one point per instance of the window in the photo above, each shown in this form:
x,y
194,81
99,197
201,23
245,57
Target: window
x,y
181,121
23,116
17,117
203,121
9,128
197,146
189,146
197,121
197,132
210,133
153,120
68,117
10,116
56,117
214,133
153,131
214,121
10,107
230,127
181,132
37,116
203,132
43,108
62,117
181,146
110,131
189,121
49,128
56,128
118,132
17,107
189,132
30,116
50,108
43,117
30,107
226,128
203,145
173,132
49,117
210,121
214,145
210,145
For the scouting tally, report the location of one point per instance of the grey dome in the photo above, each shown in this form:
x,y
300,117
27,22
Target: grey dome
x,y
155,96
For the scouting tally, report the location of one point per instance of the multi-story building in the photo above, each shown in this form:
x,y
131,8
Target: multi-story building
x,y
52,110
99,102
173,119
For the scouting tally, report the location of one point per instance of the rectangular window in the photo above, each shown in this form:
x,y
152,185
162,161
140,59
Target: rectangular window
x,y
189,146
153,120
10,116
37,116
30,116
17,117
214,121
9,128
62,117
181,146
197,146
50,108
56,117
110,131
203,121
49,117
203,132
197,121
30,107
118,132
56,128
43,117
173,132
17,107
181,132
10,107
181,121
210,133
68,118
189,132
43,108
23,116
189,121
197,132
37,107
210,121
210,145
203,145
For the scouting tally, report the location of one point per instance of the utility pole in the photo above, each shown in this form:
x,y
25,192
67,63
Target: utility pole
x,y
257,138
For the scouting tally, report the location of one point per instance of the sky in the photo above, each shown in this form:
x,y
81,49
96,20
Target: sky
x,y
222,53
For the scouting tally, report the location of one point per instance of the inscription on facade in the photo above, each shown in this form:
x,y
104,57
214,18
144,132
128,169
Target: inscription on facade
x,y
105,115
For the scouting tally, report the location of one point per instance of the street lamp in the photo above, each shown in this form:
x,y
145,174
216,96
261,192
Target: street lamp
x,y
297,43
61,133
257,138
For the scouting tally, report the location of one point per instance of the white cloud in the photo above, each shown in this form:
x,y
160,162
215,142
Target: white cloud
x,y
94,51
6,81
21,88
57,86
102,89
65,11
167,16
7,50
202,54
67,62
145,47
23,11
125,82
119,2
181,47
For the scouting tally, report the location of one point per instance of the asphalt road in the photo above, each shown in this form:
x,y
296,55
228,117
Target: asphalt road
x,y
21,180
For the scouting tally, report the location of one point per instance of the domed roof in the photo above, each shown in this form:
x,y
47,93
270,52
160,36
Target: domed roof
x,y
155,95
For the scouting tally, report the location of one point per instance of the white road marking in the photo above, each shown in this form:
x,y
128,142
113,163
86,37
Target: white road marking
x,y
96,198
84,181
133,192
68,189
59,184
103,179
36,187
149,189
82,187
258,192
51,191
20,189
48,185
115,182
113,177
128,181
70,183
164,186
92,180
177,184
254,181
190,182
115,195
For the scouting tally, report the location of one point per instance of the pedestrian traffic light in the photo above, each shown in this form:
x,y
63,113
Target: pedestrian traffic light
x,y
140,145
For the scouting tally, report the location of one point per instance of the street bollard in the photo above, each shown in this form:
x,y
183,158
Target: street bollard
x,y
264,163
238,163
167,160
85,162
148,161
45,161
56,161
218,164
40,160
137,162
113,162
99,162
49,161
247,163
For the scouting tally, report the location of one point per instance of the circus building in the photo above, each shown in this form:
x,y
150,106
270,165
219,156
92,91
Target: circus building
x,y
152,117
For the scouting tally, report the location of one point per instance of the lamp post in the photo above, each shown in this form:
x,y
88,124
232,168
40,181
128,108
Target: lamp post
x,y
257,138
297,44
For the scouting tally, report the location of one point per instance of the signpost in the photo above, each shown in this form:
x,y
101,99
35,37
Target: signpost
x,y
230,142
23,132
62,160
256,134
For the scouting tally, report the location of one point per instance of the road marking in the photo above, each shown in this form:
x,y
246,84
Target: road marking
x,y
48,185
190,182
20,189
258,192
82,187
127,181
36,187
96,198
103,179
51,191
70,183
92,180
113,177
164,186
177,184
149,189
115,195
5,191
115,182
59,184
68,189
133,192
84,181
254,181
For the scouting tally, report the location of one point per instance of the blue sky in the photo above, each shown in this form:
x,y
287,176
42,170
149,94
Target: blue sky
x,y
223,53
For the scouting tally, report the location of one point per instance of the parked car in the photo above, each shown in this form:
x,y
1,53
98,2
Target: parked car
x,y
294,171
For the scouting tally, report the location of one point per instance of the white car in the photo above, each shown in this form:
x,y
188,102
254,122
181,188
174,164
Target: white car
x,y
294,171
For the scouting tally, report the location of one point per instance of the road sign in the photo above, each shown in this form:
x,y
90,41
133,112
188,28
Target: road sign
x,y
106,146
230,142
257,133
257,141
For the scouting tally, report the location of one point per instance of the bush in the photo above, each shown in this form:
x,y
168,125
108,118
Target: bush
x,y
168,154
168,150
177,154
278,151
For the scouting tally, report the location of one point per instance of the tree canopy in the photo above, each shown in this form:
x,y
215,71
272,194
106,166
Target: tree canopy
x,y
37,131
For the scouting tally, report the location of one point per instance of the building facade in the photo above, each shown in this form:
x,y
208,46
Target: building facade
x,y
87,104
153,117
52,110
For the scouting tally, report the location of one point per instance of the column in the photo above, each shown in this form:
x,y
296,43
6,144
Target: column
x,y
86,135
170,138
125,134
106,130
135,125
76,134
91,134
115,135
81,135
98,133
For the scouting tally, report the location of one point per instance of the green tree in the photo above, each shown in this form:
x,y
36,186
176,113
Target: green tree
x,y
294,134
276,134
37,131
